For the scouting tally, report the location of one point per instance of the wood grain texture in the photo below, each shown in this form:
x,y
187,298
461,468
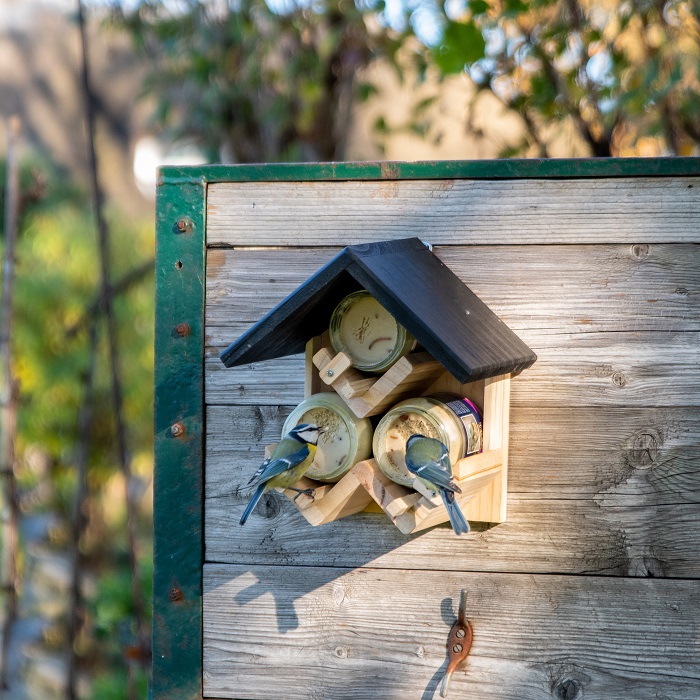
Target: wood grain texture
x,y
611,492
456,212
336,634
588,369
604,456
559,289
593,314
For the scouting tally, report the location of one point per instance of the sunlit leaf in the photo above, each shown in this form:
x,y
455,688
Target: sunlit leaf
x,y
462,43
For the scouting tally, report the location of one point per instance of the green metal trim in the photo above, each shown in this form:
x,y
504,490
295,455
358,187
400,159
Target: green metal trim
x,y
179,442
556,168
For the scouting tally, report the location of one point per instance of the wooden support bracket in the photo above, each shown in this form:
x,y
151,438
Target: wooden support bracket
x,y
369,396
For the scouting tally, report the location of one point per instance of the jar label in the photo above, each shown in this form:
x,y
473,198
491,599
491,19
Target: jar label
x,y
470,419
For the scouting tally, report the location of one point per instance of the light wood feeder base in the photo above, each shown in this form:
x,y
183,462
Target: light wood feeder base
x,y
482,477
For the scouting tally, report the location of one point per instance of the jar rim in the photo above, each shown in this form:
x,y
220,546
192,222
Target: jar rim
x,y
403,337
334,403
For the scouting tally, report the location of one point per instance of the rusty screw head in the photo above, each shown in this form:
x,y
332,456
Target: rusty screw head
x,y
177,429
457,648
175,595
183,225
182,329
460,633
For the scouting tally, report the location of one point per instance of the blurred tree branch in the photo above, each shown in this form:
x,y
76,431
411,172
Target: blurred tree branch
x,y
106,298
9,389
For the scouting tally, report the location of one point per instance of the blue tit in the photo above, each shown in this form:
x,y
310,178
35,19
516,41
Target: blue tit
x,y
428,459
286,465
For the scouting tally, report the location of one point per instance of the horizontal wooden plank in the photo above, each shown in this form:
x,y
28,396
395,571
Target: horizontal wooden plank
x,y
605,321
455,212
331,634
563,289
582,369
612,492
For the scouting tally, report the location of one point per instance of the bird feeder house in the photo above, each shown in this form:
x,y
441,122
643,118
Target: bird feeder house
x,y
466,350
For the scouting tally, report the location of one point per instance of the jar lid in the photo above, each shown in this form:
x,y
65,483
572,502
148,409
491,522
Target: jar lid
x,y
367,333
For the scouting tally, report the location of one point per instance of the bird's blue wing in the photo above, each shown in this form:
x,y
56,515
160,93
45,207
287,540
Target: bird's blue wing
x,y
285,448
444,462
435,474
261,469
281,464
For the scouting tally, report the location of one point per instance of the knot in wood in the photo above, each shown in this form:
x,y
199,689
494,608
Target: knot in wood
x,y
269,506
567,681
644,450
567,689
341,652
619,379
640,251
338,596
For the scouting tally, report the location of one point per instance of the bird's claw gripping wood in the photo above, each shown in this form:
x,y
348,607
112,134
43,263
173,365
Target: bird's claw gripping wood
x,y
311,493
459,642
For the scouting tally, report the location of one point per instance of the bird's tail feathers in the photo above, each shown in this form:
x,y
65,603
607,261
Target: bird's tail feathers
x,y
457,520
252,503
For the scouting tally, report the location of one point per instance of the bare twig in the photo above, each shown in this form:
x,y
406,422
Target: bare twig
x,y
116,384
8,403
80,460
119,287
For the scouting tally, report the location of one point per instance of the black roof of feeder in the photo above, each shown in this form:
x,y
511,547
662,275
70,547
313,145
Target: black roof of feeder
x,y
415,287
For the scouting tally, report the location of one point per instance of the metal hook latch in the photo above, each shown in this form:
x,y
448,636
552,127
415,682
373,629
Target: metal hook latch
x,y
459,642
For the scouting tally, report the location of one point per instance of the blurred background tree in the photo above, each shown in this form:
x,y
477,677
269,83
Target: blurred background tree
x,y
256,80
623,75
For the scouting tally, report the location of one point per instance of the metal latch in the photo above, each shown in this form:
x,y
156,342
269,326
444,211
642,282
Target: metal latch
x,y
459,642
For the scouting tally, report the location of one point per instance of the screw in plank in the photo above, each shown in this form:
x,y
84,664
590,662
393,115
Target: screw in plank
x,y
183,225
175,595
182,329
460,633
457,648
177,429
330,373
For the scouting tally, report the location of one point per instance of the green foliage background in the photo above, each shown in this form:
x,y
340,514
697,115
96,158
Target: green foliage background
x,y
56,281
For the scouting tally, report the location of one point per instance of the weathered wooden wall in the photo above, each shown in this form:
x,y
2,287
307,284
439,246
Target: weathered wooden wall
x,y
592,588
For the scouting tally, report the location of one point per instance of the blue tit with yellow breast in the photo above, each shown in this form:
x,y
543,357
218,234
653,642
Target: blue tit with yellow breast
x,y
286,465
429,460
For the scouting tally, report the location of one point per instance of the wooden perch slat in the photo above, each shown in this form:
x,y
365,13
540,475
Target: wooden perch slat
x,y
333,371
347,497
369,396
477,463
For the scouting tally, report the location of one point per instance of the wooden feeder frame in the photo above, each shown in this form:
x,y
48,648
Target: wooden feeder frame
x,y
482,477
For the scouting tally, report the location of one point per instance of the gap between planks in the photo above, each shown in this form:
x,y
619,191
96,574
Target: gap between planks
x,y
387,569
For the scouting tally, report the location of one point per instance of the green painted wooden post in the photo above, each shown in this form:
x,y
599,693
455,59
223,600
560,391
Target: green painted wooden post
x,y
179,439
554,168
179,367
